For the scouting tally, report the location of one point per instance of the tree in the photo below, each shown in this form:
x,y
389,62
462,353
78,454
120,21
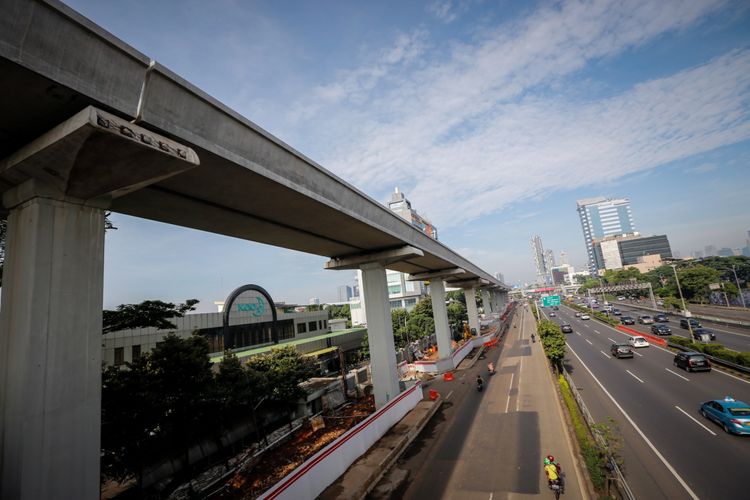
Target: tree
x,y
695,282
148,313
314,307
457,313
553,341
399,319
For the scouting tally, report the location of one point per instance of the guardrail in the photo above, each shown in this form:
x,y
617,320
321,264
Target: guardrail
x,y
620,484
713,359
722,321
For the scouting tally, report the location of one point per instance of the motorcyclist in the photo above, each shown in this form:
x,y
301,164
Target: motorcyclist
x,y
491,367
553,471
533,338
480,382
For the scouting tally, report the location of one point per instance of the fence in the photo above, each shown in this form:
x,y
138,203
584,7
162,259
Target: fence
x,y
621,486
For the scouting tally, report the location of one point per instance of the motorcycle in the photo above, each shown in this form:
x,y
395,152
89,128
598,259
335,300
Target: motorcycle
x,y
491,368
480,384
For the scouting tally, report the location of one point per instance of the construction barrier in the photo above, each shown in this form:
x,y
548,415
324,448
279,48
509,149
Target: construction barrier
x,y
433,395
448,376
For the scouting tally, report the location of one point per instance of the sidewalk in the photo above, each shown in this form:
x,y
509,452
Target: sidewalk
x,y
502,454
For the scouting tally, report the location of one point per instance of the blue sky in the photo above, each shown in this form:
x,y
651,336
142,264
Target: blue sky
x,y
493,116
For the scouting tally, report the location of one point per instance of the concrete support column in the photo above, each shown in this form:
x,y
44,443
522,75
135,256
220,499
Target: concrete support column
x,y
487,302
471,308
51,345
440,315
379,333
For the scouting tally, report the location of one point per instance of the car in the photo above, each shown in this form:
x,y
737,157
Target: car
x,y
555,308
659,302
659,329
638,341
585,316
578,314
621,297
703,335
566,328
693,323
733,416
616,312
627,320
661,318
692,361
645,319
621,351
552,314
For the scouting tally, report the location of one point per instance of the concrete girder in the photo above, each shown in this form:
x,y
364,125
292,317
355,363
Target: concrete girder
x,y
442,273
384,258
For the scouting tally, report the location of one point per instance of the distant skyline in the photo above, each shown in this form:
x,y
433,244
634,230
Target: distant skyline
x,y
492,117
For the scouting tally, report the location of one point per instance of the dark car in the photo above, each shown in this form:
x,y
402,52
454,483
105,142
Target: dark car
x,y
693,323
703,334
659,329
692,361
566,328
621,351
661,318
627,320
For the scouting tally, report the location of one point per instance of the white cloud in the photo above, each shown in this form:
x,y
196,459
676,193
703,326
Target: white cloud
x,y
443,10
702,168
476,126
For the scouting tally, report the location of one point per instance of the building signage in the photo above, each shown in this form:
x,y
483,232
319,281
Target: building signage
x,y
256,308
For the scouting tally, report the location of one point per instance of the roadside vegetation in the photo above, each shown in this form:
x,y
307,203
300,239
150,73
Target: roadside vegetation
x,y
553,341
714,349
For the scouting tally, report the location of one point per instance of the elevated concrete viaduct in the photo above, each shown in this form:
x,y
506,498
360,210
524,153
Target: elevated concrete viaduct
x,y
89,124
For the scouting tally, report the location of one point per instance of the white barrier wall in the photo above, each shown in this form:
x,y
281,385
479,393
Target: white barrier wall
x,y
319,471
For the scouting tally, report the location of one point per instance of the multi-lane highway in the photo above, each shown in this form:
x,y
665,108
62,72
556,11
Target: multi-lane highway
x,y
670,450
736,338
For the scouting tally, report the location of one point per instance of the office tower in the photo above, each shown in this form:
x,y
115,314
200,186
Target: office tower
x,y
549,263
710,251
314,301
601,217
500,277
538,251
563,259
344,293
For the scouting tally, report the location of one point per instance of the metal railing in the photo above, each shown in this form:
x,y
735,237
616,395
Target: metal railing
x,y
617,479
713,359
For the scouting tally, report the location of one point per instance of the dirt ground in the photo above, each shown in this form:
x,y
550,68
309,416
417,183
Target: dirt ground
x,y
276,464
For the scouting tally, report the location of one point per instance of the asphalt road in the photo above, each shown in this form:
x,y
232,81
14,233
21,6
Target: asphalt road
x,y
671,451
731,337
490,445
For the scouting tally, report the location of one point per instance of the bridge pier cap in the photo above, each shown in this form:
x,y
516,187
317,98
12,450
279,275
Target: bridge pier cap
x,y
51,317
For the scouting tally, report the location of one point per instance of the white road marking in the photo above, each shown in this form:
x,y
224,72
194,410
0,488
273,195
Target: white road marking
x,y
633,375
507,403
608,356
638,430
597,331
612,340
694,420
578,333
587,340
733,376
449,396
518,385
638,354
675,373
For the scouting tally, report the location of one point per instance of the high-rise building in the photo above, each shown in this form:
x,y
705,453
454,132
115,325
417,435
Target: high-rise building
x,y
549,263
344,293
402,293
500,277
617,252
314,301
537,250
710,251
601,217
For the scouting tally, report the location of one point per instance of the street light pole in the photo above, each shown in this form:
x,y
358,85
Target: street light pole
x,y
685,312
742,297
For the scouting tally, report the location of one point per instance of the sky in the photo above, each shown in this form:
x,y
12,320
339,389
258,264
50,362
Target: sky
x,y
493,117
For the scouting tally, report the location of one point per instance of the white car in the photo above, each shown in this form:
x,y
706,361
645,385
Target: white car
x,y
585,316
638,342
578,314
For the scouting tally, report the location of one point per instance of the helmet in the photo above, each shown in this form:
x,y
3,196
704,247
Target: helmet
x,y
546,461
550,458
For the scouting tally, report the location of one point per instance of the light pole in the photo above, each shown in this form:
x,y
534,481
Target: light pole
x,y
742,297
685,312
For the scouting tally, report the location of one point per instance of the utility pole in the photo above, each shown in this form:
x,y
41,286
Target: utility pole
x,y
742,297
685,312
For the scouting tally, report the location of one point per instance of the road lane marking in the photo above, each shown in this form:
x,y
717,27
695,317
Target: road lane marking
x,y
633,375
637,429
587,340
612,340
608,356
578,333
507,403
597,331
730,375
675,373
518,385
694,420
638,354
449,396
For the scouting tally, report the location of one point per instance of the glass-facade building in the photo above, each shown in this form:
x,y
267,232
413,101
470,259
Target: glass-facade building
x,y
601,217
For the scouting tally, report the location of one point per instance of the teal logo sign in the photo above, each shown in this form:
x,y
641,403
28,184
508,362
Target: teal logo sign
x,y
256,309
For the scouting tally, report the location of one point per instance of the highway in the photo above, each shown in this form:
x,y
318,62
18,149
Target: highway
x,y
732,337
670,450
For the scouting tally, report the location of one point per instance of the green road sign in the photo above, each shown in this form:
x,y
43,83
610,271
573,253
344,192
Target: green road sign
x,y
551,300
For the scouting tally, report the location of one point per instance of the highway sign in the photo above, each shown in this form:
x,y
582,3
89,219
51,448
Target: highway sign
x,y
551,300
